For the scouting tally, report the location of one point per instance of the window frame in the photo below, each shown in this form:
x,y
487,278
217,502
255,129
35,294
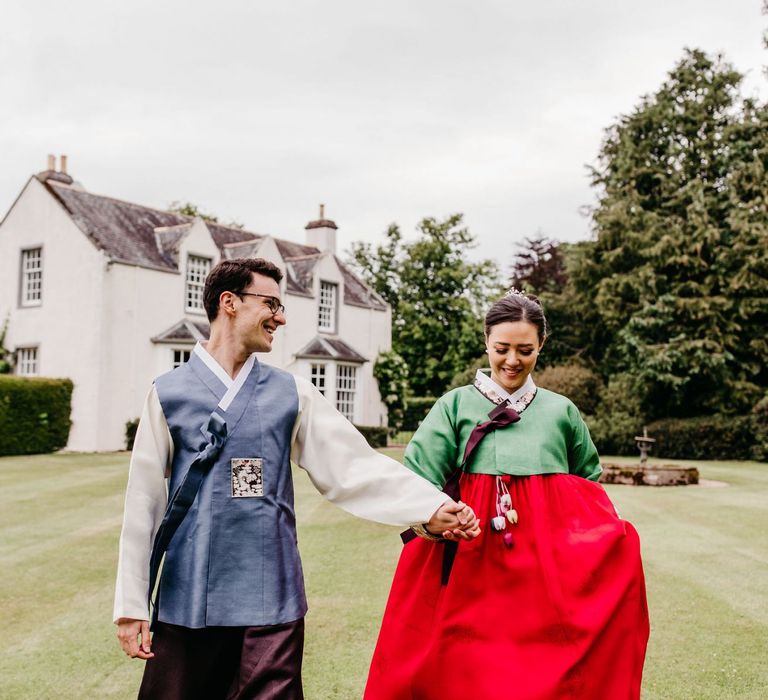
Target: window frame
x,y
333,308
24,277
319,371
181,351
193,288
21,363
346,395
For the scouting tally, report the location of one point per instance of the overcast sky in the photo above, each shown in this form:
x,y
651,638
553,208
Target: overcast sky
x,y
385,111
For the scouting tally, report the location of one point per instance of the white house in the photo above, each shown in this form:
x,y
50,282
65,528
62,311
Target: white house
x,y
109,294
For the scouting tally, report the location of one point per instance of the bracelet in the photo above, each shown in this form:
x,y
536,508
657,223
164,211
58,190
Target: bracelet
x,y
421,531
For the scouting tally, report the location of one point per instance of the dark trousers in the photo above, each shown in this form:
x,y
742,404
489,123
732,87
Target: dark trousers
x,y
225,663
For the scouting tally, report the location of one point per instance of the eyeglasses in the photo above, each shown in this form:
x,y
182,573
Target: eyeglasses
x,y
272,302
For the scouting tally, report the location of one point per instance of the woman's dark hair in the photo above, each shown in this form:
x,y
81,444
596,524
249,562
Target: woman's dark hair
x,y
234,276
517,306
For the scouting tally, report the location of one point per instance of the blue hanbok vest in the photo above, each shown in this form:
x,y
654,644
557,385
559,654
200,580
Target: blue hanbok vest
x,y
234,560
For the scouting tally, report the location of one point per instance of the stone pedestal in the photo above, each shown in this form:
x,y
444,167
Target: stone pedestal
x,y
649,475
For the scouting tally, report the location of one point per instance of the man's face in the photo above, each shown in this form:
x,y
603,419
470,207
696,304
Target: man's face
x,y
255,323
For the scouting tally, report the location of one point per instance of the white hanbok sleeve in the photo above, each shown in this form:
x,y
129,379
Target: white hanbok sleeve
x,y
350,473
146,498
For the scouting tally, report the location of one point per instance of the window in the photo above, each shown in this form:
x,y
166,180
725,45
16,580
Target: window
x,y
180,357
318,377
326,317
197,270
26,362
32,277
346,387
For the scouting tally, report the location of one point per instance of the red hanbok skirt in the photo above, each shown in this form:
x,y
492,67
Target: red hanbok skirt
x,y
562,614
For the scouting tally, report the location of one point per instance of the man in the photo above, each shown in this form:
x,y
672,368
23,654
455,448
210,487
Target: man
x,y
223,427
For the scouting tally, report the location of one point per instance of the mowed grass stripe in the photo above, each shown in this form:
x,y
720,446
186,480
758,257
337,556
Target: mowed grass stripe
x,y
704,552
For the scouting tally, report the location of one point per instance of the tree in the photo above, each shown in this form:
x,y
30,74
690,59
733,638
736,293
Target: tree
x,y
675,287
539,266
438,298
190,209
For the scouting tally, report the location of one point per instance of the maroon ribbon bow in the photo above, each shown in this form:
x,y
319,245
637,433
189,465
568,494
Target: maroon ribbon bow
x,y
500,417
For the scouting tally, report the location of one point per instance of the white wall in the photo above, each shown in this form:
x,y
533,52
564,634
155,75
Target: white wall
x,y
66,327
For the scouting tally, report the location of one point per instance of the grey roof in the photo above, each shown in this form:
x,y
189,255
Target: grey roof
x,y
126,231
185,331
169,238
330,348
357,293
139,235
241,249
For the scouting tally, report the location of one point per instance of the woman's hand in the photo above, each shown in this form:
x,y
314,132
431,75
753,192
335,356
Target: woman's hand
x,y
454,521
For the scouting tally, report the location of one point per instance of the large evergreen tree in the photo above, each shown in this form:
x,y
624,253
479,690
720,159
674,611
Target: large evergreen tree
x,y
438,298
674,291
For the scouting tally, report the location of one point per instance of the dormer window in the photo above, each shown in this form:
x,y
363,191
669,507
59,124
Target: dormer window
x,y
197,270
326,316
32,277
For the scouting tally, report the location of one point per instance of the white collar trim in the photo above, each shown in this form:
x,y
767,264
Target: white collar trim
x,y
515,396
233,385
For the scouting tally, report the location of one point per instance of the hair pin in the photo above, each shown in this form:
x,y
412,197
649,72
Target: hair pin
x,y
515,292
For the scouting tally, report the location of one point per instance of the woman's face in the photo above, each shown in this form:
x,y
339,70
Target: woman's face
x,y
513,347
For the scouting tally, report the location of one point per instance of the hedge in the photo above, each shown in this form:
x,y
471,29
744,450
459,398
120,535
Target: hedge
x,y
416,409
705,437
34,414
376,435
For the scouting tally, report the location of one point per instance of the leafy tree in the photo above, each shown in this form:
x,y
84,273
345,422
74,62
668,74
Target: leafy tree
x,y
539,266
674,291
438,297
190,209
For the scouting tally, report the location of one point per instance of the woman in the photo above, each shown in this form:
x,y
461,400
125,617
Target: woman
x,y
549,602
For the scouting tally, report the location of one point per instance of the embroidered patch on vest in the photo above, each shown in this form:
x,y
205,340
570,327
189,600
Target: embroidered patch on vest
x,y
247,479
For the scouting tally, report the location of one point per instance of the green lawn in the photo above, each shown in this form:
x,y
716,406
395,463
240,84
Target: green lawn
x,y
705,549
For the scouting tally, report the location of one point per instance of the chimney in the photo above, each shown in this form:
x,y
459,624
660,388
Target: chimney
x,y
321,233
57,175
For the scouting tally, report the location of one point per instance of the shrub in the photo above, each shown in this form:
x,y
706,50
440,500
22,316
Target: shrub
x,y
614,433
579,384
130,433
34,414
376,435
416,408
705,437
467,376
760,419
391,373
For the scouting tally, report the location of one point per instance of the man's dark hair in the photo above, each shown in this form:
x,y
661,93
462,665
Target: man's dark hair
x,y
234,276
518,307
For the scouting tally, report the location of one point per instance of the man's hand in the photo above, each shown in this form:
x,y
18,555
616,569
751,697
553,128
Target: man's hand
x,y
454,521
128,632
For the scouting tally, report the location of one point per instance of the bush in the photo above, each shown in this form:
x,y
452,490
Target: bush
x,y
375,435
760,419
614,433
34,414
416,408
705,437
467,376
130,433
579,384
